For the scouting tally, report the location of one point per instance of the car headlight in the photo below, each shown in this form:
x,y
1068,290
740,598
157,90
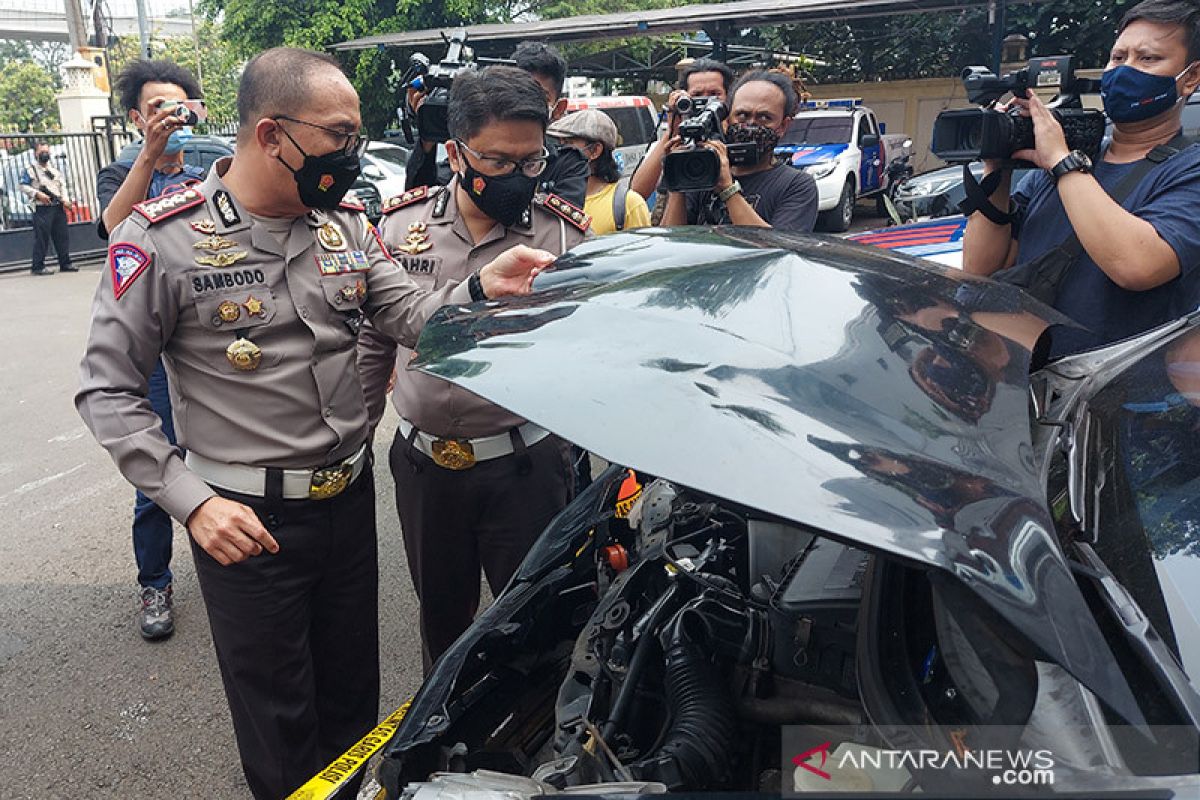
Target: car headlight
x,y
822,169
924,188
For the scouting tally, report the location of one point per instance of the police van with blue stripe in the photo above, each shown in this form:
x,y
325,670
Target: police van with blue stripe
x,y
842,144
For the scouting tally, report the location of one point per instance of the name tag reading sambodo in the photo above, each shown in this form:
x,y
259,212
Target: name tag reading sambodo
x,y
338,263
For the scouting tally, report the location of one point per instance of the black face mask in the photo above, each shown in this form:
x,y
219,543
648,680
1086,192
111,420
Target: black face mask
x,y
324,180
43,158
504,198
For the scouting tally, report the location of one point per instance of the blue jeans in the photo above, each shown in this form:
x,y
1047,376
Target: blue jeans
x,y
152,530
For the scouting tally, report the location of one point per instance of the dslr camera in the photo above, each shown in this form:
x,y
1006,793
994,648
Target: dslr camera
x,y
970,134
692,167
432,118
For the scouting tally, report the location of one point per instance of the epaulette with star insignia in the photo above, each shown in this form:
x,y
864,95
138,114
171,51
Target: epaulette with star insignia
x,y
351,204
168,205
571,213
407,199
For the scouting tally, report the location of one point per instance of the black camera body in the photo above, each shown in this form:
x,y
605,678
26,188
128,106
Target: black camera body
x,y
971,134
694,168
432,118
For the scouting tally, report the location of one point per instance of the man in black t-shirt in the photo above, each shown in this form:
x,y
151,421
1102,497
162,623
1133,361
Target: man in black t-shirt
x,y
763,194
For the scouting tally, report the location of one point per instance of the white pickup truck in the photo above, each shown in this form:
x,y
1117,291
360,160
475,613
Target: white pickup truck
x,y
843,146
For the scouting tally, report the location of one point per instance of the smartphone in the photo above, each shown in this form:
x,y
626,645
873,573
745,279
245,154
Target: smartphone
x,y
190,111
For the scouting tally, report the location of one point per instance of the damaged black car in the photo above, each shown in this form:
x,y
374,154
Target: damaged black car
x,y
846,499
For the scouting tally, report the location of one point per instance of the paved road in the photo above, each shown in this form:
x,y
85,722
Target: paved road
x,y
88,709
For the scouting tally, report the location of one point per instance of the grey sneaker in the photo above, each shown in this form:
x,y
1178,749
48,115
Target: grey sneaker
x,y
156,620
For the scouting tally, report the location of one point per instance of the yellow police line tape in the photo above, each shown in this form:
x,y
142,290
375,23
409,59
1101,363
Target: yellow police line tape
x,y
322,785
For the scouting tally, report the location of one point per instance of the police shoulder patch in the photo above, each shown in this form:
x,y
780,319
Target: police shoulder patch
x,y
127,262
168,205
407,199
561,208
351,204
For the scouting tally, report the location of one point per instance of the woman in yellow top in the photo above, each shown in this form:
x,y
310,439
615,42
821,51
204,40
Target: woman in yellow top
x,y
608,197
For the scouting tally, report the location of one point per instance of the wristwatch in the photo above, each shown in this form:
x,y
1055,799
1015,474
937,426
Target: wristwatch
x,y
729,192
1074,161
475,287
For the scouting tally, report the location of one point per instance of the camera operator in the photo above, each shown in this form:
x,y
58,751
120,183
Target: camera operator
x,y
704,78
1138,263
567,170
764,193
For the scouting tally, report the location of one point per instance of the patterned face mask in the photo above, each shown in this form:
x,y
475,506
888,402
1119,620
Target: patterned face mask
x,y
764,139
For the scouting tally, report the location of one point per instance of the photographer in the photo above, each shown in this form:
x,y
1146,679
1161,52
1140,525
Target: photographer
x,y
566,171
763,193
150,92
704,78
1136,267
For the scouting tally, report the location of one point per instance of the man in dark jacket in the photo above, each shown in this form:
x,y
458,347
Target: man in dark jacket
x,y
566,170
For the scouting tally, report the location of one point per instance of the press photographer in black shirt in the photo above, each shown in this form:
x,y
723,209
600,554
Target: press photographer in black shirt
x,y
765,193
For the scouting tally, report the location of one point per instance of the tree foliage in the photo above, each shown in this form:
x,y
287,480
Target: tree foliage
x,y
47,55
941,44
27,100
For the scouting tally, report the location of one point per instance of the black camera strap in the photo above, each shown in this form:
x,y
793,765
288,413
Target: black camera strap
x,y
979,196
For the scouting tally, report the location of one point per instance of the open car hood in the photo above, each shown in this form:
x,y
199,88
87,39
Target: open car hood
x,y
877,399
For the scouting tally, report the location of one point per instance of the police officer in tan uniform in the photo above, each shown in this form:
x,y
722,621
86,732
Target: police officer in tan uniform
x,y
253,286
475,484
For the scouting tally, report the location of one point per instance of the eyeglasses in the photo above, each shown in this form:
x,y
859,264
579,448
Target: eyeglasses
x,y
530,167
353,144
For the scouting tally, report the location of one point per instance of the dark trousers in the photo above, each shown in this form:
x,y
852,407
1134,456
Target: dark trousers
x,y
455,523
152,530
297,636
50,225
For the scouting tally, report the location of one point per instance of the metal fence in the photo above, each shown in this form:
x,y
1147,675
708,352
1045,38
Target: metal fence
x,y
79,156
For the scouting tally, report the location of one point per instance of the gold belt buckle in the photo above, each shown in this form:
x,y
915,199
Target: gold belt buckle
x,y
329,482
455,454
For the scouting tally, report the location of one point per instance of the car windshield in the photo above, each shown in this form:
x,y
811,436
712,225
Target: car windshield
x,y
391,158
1146,441
818,130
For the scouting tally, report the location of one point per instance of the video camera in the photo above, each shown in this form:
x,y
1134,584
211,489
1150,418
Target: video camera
x,y
695,168
971,134
432,118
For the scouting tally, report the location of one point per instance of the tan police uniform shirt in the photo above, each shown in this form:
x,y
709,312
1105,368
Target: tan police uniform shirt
x,y
429,238
191,272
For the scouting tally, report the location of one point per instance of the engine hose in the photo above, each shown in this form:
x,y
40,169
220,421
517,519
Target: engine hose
x,y
643,652
695,753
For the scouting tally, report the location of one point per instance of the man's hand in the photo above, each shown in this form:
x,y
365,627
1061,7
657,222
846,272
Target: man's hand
x,y
159,127
41,198
725,178
228,531
1050,143
513,271
673,117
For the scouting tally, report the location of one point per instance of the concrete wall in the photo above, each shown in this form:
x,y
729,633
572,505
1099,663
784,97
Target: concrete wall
x,y
908,107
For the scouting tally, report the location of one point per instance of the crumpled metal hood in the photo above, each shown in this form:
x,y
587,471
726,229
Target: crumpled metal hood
x,y
881,400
